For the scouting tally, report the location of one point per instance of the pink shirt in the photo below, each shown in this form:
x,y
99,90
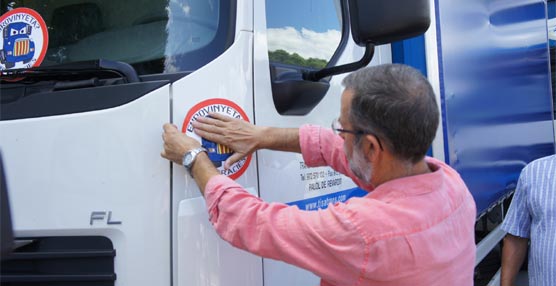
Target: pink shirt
x,y
414,231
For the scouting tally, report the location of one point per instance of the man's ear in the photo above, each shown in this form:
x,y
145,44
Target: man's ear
x,y
372,148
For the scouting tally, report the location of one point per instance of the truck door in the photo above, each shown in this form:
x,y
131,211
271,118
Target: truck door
x,y
291,36
225,85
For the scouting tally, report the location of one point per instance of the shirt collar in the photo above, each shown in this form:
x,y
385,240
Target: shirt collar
x,y
412,185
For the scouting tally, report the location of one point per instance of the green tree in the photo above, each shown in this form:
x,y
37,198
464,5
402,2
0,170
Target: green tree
x,y
284,57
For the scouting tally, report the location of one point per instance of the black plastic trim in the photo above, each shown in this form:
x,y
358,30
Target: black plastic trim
x,y
292,95
69,254
57,278
61,261
28,103
345,34
171,77
330,71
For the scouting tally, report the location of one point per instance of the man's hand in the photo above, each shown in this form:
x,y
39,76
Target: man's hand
x,y
239,135
176,144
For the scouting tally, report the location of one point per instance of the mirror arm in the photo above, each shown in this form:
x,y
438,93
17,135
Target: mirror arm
x,y
320,74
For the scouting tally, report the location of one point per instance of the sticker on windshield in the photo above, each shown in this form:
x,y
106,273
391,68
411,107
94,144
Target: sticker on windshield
x,y
24,39
217,153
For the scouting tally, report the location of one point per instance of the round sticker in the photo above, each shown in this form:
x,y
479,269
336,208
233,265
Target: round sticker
x,y
24,39
217,153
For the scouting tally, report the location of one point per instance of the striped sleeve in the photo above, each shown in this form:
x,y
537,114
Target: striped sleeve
x,y
518,220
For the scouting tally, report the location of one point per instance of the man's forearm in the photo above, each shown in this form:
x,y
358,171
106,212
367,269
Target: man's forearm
x,y
280,139
202,171
513,255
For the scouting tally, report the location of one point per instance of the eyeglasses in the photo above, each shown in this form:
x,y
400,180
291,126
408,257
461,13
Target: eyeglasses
x,y
337,128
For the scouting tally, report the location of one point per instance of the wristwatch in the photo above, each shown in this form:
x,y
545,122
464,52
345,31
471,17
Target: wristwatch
x,y
189,157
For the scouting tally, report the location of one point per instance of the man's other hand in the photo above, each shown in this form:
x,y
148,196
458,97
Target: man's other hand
x,y
239,135
176,144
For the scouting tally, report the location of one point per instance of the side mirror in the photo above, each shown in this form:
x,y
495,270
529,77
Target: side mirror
x,y
380,22
377,22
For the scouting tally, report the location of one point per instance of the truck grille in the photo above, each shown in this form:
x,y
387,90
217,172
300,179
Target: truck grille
x,y
21,47
60,261
223,149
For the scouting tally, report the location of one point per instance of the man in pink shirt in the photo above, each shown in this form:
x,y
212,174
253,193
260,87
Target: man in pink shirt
x,y
416,225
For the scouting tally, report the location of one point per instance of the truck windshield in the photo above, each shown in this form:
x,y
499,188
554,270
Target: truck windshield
x,y
154,36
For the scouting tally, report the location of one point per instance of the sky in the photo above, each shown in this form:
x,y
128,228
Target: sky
x,y
310,28
306,43
319,15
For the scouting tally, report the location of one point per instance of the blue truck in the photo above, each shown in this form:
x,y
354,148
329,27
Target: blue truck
x,y
17,46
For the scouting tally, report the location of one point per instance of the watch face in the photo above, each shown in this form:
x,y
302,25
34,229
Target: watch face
x,y
187,160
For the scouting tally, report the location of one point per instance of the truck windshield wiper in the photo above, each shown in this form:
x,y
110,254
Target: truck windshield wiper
x,y
76,71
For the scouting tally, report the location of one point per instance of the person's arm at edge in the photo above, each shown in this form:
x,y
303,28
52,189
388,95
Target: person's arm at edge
x,y
513,255
517,225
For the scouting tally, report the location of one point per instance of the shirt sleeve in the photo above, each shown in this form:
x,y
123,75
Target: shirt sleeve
x,y
321,147
518,219
325,242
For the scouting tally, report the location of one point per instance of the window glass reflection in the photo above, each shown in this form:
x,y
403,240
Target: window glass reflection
x,y
303,32
154,36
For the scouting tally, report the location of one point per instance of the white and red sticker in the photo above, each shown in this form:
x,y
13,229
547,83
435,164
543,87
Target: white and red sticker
x,y
217,153
24,39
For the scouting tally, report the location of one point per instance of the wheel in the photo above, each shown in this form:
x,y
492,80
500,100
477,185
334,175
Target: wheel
x,y
9,65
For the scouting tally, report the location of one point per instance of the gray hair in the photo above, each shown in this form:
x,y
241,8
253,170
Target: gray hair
x,y
396,103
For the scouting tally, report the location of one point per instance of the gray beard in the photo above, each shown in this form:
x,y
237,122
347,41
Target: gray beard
x,y
360,167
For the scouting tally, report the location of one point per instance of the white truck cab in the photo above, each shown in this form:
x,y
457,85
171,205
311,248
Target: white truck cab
x,y
93,203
